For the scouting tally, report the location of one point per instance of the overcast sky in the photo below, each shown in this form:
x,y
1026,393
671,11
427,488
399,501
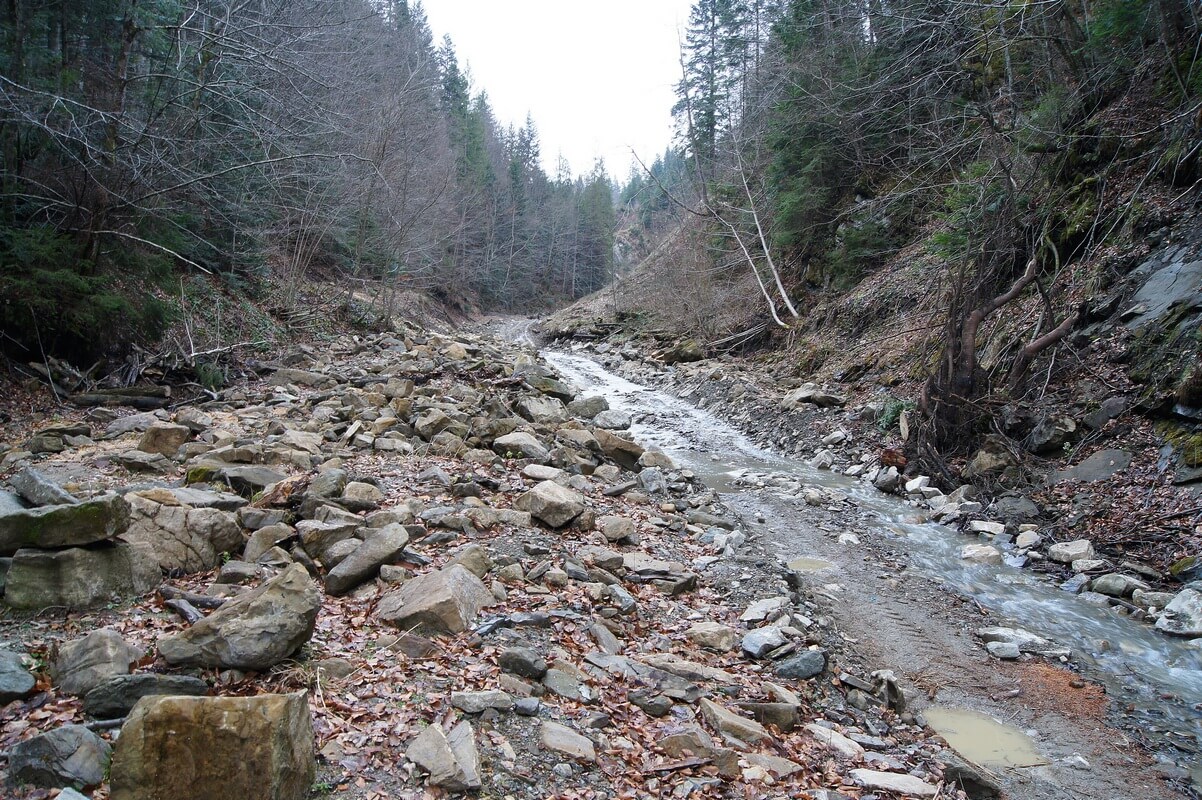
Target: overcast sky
x,y
596,76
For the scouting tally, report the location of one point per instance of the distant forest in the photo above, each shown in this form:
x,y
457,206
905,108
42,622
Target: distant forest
x,y
257,143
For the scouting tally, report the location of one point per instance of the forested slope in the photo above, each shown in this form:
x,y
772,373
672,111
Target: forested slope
x,y
925,191
157,153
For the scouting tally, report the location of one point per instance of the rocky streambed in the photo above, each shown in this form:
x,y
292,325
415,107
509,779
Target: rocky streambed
x,y
855,526
421,562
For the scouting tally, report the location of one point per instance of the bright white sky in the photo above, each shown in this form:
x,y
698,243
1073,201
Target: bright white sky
x,y
598,77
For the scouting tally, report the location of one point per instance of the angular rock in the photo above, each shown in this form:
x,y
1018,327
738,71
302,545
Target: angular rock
x,y
894,782
444,601
612,420
623,452
615,528
1183,615
551,503
16,681
522,445
992,459
84,664
561,739
522,661
1052,434
713,636
805,664
1117,585
1068,552
813,394
981,554
478,702
761,641
364,562
184,539
254,631
164,438
79,577
117,696
836,741
40,490
71,755
71,525
739,731
542,410
588,407
450,759
215,748
138,461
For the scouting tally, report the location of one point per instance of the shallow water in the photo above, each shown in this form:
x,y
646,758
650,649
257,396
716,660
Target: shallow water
x,y
982,739
1158,677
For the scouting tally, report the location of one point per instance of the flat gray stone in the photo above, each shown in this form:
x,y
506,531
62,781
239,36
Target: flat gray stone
x,y
57,526
40,490
1099,466
117,696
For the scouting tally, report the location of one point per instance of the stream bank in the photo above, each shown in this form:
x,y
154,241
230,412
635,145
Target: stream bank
x,y
920,620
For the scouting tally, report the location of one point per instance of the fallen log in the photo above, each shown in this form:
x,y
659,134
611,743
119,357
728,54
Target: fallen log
x,y
189,612
200,600
109,400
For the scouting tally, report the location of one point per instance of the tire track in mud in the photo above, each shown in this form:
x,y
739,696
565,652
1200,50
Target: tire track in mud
x,y
923,633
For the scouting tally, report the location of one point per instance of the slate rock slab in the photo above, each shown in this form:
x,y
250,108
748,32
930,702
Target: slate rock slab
x,y
70,525
80,577
117,696
364,562
40,490
254,631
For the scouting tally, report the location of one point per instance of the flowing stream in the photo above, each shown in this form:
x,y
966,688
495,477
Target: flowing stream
x,y
1158,678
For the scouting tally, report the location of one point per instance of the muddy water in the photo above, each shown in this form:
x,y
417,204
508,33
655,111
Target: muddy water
x,y
982,739
1157,678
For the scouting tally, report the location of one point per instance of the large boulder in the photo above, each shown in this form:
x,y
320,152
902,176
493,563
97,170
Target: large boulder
x,y
80,577
85,663
444,601
551,503
68,525
68,756
364,562
254,631
215,748
184,539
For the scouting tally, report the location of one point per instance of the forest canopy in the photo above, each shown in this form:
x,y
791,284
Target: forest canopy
x,y
259,143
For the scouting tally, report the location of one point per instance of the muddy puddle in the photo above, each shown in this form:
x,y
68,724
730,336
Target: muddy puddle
x,y
982,739
1153,678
